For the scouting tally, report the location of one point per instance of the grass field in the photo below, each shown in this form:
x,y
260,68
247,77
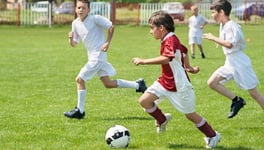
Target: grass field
x,y
37,72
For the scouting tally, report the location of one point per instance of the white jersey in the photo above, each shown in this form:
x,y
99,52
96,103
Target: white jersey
x,y
232,32
92,33
195,23
237,64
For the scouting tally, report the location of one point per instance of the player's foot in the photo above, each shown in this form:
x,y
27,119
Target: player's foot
x,y
142,85
75,113
236,106
211,142
162,127
193,56
203,56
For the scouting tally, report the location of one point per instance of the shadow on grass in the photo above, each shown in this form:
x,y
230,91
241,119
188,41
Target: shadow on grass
x,y
129,118
185,146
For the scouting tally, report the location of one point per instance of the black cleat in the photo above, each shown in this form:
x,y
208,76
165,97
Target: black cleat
x,y
203,56
75,113
142,85
236,106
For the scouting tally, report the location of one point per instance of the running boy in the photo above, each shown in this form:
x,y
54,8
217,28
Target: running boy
x,y
237,64
90,29
173,82
196,25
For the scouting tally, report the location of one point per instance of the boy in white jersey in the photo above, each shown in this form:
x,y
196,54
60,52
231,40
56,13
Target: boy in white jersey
x,y
196,25
173,82
237,64
90,30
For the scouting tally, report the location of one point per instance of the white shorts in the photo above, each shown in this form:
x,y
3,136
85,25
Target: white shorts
x,y
244,77
184,101
195,40
96,67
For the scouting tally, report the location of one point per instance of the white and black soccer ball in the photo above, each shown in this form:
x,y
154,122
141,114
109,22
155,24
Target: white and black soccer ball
x,y
117,136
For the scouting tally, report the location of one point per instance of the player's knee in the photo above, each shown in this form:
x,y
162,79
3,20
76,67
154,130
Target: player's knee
x,y
210,84
79,80
144,103
141,102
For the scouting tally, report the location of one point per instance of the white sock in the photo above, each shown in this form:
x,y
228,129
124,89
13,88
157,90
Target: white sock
x,y
81,100
127,84
201,123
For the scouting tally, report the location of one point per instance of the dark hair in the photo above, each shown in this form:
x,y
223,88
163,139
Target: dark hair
x,y
159,18
224,5
85,1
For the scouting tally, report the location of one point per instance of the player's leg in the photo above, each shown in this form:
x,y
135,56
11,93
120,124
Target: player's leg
x,y
139,84
108,83
147,101
201,50
86,73
199,44
108,70
192,41
211,136
78,111
201,124
254,93
214,82
192,47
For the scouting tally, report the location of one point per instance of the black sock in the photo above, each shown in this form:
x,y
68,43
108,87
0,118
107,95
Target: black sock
x,y
235,99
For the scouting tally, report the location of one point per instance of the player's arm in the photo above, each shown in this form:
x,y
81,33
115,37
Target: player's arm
x,y
210,36
71,41
205,23
151,61
108,39
188,67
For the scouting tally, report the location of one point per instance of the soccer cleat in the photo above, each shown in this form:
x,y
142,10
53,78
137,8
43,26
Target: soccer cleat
x,y
142,85
203,56
211,142
75,113
236,106
161,128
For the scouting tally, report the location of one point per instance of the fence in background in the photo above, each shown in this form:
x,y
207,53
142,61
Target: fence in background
x,y
147,9
243,11
123,13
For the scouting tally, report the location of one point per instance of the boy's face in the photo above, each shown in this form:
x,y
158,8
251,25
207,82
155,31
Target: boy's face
x,y
216,15
82,10
194,10
156,31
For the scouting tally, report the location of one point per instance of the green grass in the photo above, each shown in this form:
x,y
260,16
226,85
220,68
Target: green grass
x,y
37,72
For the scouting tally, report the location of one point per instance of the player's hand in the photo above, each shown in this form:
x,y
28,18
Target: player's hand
x,y
208,36
193,70
105,47
137,61
70,34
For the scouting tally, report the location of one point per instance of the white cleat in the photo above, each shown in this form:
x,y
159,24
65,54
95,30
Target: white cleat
x,y
213,141
161,128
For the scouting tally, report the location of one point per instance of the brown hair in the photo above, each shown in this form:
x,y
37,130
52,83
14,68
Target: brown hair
x,y
85,1
159,18
224,5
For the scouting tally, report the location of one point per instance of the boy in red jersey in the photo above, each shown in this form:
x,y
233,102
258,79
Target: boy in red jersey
x,y
173,82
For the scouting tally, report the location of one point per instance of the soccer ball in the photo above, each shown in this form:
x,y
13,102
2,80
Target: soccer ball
x,y
117,136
